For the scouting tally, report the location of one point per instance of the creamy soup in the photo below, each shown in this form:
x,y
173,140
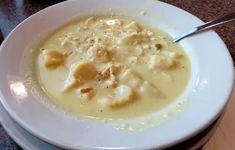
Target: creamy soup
x,y
111,67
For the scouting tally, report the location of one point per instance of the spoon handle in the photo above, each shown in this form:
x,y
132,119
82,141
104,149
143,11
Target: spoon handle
x,y
226,18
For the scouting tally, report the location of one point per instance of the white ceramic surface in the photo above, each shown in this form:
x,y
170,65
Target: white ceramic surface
x,y
24,139
29,142
207,93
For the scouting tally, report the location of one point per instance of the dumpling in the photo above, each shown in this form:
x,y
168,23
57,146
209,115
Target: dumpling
x,y
52,58
79,73
122,96
161,62
131,78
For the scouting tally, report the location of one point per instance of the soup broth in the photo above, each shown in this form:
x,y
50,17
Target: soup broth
x,y
111,67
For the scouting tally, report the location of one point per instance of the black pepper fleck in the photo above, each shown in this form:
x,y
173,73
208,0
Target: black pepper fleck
x,y
158,46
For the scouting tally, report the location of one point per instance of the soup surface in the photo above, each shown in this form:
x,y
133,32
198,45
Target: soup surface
x,y
111,67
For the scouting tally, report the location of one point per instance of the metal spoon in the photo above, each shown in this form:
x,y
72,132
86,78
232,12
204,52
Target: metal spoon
x,y
220,20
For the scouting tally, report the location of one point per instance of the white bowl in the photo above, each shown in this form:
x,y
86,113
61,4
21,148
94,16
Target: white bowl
x,y
207,93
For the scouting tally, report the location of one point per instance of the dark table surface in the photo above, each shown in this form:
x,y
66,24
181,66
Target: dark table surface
x,y
12,12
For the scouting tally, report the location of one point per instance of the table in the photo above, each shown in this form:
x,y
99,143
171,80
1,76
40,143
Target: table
x,y
12,12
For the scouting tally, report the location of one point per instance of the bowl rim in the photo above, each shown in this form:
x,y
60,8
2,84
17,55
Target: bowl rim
x,y
193,132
